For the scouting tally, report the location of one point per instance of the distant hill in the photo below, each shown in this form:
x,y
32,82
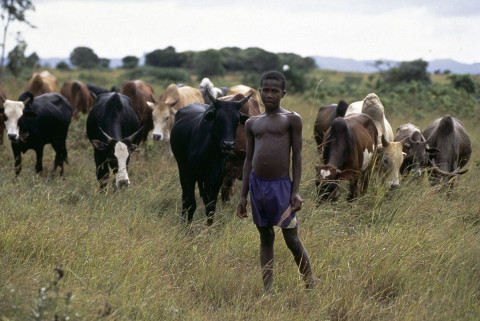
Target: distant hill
x,y
339,64
368,66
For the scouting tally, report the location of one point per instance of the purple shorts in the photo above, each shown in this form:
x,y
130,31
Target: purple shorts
x,y
270,199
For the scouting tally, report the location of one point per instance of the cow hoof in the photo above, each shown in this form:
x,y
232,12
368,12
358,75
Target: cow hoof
x,y
209,221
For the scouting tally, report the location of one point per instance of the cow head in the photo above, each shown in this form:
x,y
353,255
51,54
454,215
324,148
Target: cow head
x,y
163,113
390,158
118,154
327,180
225,117
15,113
438,176
417,152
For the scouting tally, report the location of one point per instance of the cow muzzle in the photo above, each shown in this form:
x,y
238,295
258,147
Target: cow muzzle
x,y
157,136
227,147
12,137
122,183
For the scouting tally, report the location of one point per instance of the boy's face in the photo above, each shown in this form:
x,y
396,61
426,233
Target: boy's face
x,y
271,93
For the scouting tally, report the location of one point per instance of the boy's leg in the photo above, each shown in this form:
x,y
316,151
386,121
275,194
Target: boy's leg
x,y
267,238
300,254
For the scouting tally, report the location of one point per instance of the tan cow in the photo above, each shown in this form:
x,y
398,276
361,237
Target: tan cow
x,y
166,107
41,83
78,95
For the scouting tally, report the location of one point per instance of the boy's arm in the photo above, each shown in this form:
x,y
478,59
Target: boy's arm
x,y
247,168
295,199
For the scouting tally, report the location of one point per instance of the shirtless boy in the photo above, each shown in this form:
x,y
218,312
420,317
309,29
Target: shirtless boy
x,y
274,197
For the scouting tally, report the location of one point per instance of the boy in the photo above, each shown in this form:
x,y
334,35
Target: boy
x,y
274,197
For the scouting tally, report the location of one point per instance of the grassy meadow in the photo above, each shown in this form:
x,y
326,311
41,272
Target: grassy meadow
x,y
70,252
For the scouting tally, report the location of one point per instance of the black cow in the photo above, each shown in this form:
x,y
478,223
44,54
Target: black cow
x,y
32,123
113,129
96,90
201,139
449,136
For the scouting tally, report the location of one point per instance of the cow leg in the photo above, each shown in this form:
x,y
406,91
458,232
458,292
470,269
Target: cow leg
x,y
353,189
17,156
226,188
60,157
102,169
188,196
210,195
39,165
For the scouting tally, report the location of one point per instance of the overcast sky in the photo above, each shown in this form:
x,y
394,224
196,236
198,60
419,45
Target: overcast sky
x,y
401,30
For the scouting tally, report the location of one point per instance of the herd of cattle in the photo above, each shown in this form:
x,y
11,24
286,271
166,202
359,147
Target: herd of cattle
x,y
357,143
204,131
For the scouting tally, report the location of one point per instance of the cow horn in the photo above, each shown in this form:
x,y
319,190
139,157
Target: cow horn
x,y
153,99
133,137
384,141
244,100
210,96
109,139
2,98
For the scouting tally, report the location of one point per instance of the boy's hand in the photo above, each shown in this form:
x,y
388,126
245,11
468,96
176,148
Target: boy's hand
x,y
242,208
296,202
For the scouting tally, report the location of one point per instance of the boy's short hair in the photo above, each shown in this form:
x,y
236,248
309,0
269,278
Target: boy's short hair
x,y
273,75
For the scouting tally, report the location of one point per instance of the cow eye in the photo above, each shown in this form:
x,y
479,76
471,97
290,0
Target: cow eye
x,y
385,161
166,118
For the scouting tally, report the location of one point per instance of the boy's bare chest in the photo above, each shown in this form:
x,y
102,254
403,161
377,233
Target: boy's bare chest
x,y
274,126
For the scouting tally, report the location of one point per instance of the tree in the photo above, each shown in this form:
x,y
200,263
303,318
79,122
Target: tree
x,y
32,60
12,10
406,72
167,57
84,57
209,63
16,57
63,65
104,63
130,62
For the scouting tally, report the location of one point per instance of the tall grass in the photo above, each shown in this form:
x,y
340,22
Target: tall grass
x,y
413,254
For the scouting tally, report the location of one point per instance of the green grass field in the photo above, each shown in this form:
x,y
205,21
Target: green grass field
x,y
409,255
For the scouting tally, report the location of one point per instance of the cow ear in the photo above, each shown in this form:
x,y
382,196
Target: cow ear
x,y
92,94
347,174
29,114
151,105
405,144
432,150
98,144
132,147
243,118
210,115
210,96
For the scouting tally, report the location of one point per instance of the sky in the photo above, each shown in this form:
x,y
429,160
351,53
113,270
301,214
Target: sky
x,y
401,30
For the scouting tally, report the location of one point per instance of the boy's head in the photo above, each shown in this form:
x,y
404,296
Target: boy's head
x,y
273,75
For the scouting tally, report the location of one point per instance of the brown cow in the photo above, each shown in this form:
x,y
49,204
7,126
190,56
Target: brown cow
x,y
325,116
388,170
140,93
3,97
242,89
78,95
41,83
166,107
348,153
234,165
